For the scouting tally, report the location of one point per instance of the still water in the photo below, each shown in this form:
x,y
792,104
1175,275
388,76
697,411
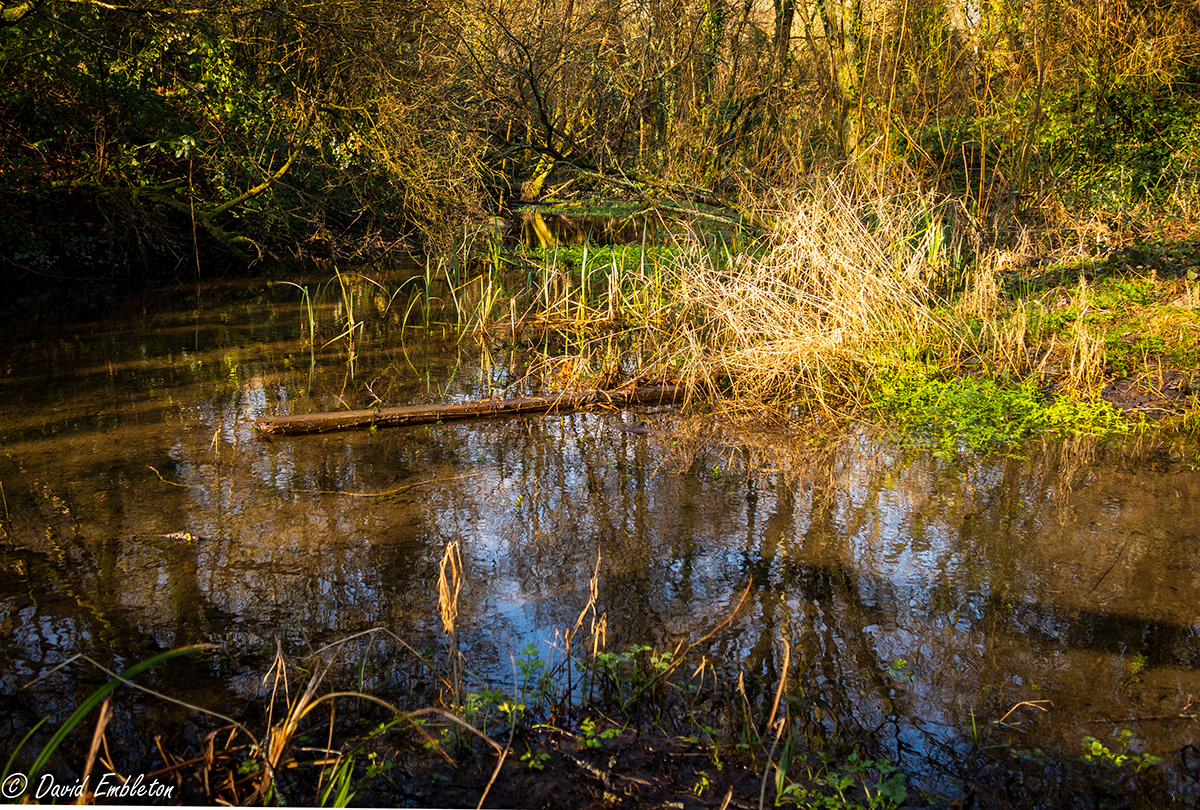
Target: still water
x,y
923,599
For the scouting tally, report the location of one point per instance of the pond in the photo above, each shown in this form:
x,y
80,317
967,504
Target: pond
x,y
923,603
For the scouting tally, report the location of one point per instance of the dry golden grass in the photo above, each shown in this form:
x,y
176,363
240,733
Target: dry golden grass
x,y
450,582
843,288
848,285
449,586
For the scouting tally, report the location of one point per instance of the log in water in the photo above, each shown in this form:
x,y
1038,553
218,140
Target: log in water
x,y
477,409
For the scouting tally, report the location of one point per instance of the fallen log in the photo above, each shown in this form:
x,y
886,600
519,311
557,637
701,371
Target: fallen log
x,y
477,409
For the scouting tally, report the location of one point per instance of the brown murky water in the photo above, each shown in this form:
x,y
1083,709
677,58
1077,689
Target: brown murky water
x,y
920,596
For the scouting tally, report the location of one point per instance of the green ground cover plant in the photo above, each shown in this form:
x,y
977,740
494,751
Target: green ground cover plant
x,y
980,413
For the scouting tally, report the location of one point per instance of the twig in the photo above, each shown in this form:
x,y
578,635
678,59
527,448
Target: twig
x,y
97,736
1111,566
168,698
1182,714
512,732
172,483
681,651
1033,703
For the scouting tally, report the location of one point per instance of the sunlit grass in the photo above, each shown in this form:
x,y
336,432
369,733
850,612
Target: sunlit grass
x,y
979,413
852,290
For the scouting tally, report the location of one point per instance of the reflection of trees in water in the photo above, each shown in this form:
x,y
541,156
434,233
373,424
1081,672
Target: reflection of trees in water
x,y
968,572
837,682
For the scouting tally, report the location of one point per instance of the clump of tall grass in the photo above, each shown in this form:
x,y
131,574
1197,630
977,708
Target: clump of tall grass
x,y
860,300
849,284
844,288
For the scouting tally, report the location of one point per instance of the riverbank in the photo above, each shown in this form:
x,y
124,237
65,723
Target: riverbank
x,y
875,306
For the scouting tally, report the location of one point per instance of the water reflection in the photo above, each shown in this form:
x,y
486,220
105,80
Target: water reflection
x,y
915,594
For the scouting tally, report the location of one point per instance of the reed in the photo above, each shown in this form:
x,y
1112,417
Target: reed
x,y
856,286
1086,356
450,581
845,287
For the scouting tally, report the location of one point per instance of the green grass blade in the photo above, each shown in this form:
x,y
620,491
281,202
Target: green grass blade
x,y
95,698
17,750
341,782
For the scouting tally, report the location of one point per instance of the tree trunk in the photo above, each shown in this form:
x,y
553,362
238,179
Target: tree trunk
x,y
785,14
841,28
